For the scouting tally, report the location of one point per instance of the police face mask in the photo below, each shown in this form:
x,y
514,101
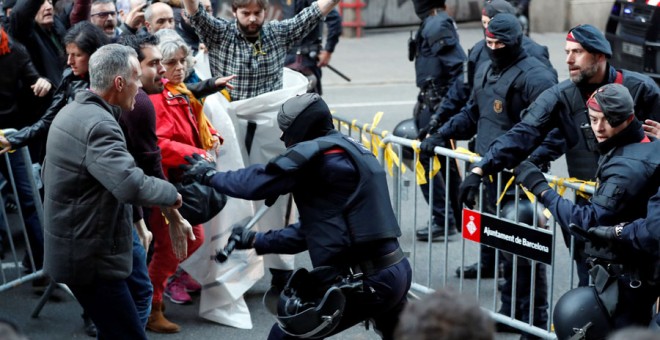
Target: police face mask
x,y
503,57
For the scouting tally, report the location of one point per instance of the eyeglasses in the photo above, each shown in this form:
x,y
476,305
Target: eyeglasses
x,y
104,14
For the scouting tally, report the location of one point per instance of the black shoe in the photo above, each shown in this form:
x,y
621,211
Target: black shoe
x,y
470,272
89,326
437,232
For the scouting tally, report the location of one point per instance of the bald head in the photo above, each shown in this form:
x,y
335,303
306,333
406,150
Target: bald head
x,y
158,16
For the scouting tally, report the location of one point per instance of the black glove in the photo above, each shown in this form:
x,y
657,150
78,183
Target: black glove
x,y
469,190
430,128
430,143
243,237
610,233
199,169
531,178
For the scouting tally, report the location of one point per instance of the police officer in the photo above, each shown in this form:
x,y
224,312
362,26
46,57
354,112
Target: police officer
x,y
308,55
627,178
451,105
503,87
439,59
346,219
563,107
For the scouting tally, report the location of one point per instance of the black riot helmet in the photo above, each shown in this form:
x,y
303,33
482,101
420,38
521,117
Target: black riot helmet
x,y
307,308
579,314
406,129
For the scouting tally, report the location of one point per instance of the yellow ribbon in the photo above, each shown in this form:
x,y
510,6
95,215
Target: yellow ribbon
x,y
420,173
391,158
375,140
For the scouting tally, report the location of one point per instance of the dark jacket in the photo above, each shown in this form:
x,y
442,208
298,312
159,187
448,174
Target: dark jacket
x,y
45,47
348,207
90,182
64,94
552,109
17,73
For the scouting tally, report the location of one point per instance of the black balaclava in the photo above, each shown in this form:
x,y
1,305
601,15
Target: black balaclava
x,y
304,118
505,28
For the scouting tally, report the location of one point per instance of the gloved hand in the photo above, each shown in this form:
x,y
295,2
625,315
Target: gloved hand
x,y
469,189
244,238
531,178
199,169
431,142
609,233
430,128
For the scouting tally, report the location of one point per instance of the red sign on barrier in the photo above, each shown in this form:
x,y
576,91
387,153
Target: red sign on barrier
x,y
472,225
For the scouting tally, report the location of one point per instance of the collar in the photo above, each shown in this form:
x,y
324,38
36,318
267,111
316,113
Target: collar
x,y
633,133
89,97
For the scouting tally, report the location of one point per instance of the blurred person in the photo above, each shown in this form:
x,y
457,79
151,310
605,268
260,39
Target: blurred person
x,y
187,32
438,57
627,179
87,166
158,16
182,130
346,223
104,15
139,127
444,315
249,47
309,55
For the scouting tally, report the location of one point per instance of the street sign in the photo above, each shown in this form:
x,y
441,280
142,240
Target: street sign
x,y
534,244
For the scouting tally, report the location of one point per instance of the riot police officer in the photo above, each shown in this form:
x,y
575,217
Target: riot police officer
x,y
438,58
346,219
627,178
563,107
503,87
308,56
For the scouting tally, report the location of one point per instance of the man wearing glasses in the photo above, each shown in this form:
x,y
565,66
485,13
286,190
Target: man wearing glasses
x,y
104,15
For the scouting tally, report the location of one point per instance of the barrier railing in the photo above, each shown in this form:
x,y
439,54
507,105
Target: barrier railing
x,y
19,178
527,247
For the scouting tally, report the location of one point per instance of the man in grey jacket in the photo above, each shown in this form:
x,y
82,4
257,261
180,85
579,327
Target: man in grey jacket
x,y
90,181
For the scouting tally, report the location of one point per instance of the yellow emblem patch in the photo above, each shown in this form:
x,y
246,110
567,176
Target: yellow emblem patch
x,y
497,106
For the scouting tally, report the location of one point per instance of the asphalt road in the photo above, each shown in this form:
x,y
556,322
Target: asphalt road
x,y
382,80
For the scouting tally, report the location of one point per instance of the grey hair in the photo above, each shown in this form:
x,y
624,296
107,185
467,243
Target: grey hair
x,y
170,42
108,62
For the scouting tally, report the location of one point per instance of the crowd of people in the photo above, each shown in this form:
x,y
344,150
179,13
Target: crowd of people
x,y
117,118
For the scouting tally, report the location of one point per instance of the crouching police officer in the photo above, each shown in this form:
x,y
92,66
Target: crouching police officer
x,y
346,220
627,177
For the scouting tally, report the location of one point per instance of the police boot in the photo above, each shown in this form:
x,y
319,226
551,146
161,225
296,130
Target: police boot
x,y
157,322
437,232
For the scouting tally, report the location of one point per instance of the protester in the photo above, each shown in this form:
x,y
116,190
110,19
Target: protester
x,y
444,315
87,166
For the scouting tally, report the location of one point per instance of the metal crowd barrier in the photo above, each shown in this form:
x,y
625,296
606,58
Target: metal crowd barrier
x,y
434,262
13,230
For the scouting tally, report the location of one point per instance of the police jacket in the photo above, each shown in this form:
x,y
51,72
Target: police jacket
x,y
340,191
497,99
312,41
628,175
439,56
64,94
477,56
562,107
90,183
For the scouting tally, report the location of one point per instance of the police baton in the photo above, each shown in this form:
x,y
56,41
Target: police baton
x,y
338,72
223,254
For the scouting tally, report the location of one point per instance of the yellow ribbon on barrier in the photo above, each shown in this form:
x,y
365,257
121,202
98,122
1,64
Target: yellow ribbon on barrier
x,y
391,158
467,152
436,166
420,173
365,141
375,140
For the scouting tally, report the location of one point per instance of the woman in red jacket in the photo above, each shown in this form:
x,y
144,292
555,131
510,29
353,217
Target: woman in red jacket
x,y
182,130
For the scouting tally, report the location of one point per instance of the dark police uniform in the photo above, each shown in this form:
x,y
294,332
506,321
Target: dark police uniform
x,y
346,220
494,107
439,60
628,176
309,47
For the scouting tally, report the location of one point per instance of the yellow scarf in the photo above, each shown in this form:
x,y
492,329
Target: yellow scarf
x,y
203,124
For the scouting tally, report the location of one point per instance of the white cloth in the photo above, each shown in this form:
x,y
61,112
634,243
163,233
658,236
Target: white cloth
x,y
224,284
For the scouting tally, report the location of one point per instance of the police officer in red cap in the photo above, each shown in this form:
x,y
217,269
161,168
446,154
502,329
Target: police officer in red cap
x,y
627,178
562,108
